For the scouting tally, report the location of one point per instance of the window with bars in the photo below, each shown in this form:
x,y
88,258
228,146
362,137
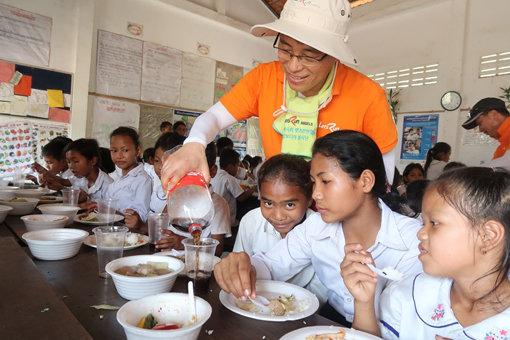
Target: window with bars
x,y
494,65
408,77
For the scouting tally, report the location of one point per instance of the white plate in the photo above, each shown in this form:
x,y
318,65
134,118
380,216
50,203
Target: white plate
x,y
91,241
116,218
350,334
55,199
271,290
177,254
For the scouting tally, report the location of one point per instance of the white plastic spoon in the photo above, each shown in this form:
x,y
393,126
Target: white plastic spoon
x,y
192,306
261,302
389,273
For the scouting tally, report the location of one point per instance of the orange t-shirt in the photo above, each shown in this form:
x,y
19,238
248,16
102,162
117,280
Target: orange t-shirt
x,y
504,140
357,103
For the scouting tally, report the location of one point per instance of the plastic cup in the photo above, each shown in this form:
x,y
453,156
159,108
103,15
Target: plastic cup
x,y
18,179
199,262
70,196
156,222
110,246
106,207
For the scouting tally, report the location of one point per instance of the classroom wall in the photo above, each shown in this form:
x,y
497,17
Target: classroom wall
x,y
393,34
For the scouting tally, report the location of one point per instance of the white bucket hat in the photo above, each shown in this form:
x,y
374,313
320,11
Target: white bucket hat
x,y
321,24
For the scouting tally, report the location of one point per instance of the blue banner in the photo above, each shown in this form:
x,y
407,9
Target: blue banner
x,y
420,134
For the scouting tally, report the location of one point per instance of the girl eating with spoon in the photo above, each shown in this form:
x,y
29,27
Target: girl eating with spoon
x,y
349,179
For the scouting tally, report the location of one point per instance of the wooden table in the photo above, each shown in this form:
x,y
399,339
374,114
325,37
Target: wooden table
x,y
76,282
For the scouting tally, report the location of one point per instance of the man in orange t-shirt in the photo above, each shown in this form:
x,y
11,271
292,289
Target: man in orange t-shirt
x,y
492,118
305,95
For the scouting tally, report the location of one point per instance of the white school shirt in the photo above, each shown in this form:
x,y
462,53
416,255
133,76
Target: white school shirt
x,y
220,223
227,186
133,191
435,169
257,235
419,307
158,200
322,244
149,169
100,187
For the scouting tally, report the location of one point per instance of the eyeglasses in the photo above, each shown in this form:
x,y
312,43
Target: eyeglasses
x,y
304,60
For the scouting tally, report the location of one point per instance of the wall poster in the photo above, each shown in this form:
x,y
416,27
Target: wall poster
x,y
15,147
187,117
419,135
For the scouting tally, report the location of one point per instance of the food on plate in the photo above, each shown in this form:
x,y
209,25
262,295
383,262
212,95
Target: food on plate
x,y
278,306
329,336
15,199
150,322
90,217
132,239
145,269
48,198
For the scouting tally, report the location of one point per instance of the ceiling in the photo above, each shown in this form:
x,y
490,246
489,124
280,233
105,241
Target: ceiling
x,y
250,12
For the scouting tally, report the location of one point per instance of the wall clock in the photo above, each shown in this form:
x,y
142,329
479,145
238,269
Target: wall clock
x,y
451,100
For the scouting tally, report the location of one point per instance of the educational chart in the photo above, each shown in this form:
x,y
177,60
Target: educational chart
x,y
161,74
35,92
119,65
238,133
420,134
227,75
42,133
15,147
197,82
25,36
109,114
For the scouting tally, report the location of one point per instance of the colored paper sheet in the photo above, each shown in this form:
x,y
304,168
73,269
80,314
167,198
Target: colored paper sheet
x,y
38,97
37,110
6,92
59,115
19,106
55,98
6,71
24,86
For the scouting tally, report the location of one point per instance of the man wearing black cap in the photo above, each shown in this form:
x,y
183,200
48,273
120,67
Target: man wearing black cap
x,y
492,118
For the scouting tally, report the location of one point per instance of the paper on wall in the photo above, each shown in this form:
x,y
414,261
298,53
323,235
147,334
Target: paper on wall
x,y
197,86
161,74
109,114
37,110
5,107
25,36
55,98
38,97
19,106
6,71
67,100
15,147
6,92
119,65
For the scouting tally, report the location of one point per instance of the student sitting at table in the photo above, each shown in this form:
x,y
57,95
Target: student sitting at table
x,y
219,227
226,185
349,179
465,251
54,156
132,186
84,161
285,192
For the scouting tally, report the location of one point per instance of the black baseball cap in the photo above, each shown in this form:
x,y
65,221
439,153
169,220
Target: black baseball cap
x,y
483,106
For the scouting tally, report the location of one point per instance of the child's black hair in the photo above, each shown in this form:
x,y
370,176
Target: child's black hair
x,y
107,164
480,194
228,157
453,165
224,143
164,125
356,152
410,167
414,192
56,148
178,123
128,132
148,154
86,147
434,152
169,140
290,169
210,154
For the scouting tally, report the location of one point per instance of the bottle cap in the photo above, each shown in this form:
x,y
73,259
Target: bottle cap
x,y
194,227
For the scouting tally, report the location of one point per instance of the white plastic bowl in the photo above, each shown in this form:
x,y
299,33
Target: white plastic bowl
x,y
54,244
4,210
34,193
60,209
171,308
7,194
21,208
40,222
132,287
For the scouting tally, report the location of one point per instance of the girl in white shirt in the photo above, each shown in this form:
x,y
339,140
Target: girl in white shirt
x,y
349,179
83,160
437,157
285,195
132,186
465,251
